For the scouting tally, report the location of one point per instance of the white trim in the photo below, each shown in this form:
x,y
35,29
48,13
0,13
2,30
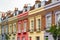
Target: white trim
x,y
49,14
58,12
51,5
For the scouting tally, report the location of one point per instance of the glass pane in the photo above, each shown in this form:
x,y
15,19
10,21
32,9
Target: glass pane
x,y
19,25
14,27
32,23
23,38
37,38
18,38
38,23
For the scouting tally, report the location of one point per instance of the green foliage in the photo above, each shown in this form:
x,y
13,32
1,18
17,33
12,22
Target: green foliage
x,y
7,37
55,31
46,38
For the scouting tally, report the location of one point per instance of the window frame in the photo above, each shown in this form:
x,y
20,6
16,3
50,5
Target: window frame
x,y
57,12
50,15
37,38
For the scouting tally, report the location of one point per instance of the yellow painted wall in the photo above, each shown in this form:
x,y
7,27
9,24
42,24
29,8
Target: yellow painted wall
x,y
11,37
35,34
36,10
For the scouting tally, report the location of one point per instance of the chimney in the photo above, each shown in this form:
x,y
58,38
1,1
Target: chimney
x,y
48,2
3,15
16,9
37,1
8,12
25,5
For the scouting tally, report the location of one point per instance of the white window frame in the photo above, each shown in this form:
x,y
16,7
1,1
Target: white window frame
x,y
42,3
2,29
10,28
14,27
36,5
25,25
37,25
31,24
49,14
6,28
57,12
19,26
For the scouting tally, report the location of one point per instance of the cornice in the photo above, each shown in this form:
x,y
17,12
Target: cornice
x,y
12,18
46,7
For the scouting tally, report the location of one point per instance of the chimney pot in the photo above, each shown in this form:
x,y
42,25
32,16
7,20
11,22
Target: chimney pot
x,y
25,5
37,1
16,9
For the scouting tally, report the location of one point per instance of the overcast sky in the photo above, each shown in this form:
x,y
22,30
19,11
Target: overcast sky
x,y
11,4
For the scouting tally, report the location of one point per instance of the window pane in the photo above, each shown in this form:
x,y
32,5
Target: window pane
x,y
36,5
23,38
14,27
19,25
25,24
18,38
13,38
32,23
6,28
39,23
37,38
48,21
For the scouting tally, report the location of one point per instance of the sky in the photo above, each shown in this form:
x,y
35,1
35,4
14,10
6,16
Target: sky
x,y
6,5
11,4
